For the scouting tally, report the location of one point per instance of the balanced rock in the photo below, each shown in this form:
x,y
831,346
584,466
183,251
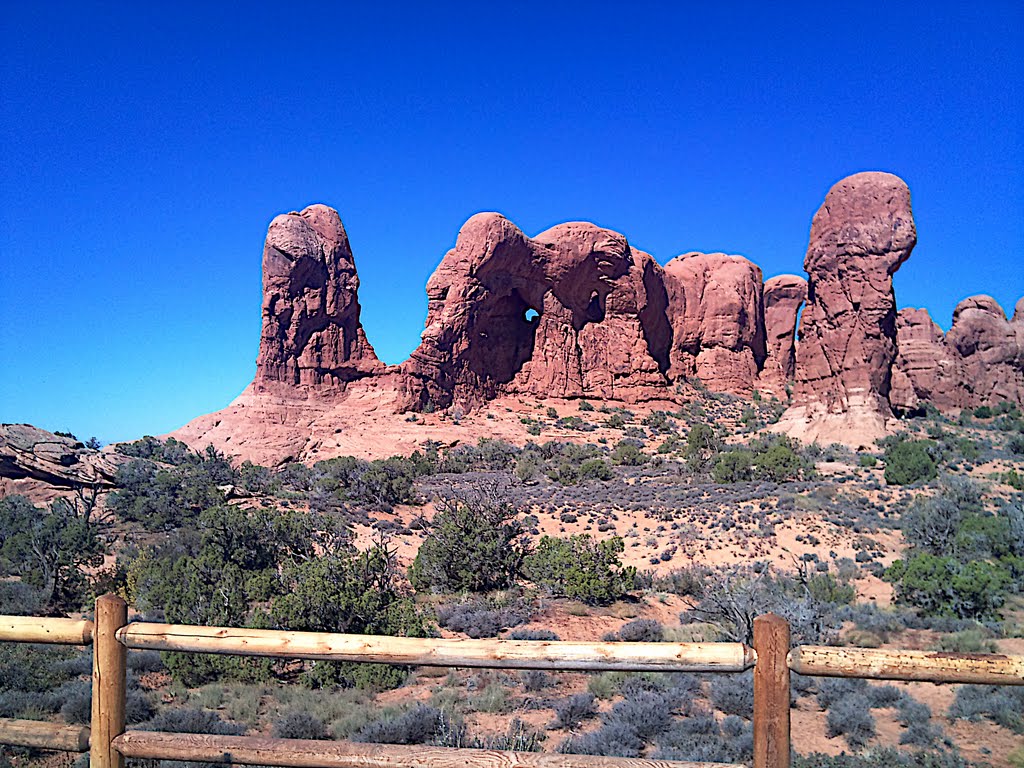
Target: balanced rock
x,y
859,237
784,296
716,313
312,338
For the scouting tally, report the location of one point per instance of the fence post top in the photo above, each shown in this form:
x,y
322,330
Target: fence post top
x,y
770,618
111,598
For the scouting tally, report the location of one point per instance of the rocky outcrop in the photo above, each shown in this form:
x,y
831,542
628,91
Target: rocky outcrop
x,y
990,349
860,236
784,296
27,452
925,370
717,318
311,337
574,312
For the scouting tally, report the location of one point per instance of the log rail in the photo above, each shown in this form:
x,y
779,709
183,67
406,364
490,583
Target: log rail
x,y
111,635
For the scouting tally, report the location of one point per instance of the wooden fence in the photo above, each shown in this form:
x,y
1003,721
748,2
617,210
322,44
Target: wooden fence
x,y
108,743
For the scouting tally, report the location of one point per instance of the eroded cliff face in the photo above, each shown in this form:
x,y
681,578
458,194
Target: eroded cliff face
x,y
312,338
784,297
576,312
717,315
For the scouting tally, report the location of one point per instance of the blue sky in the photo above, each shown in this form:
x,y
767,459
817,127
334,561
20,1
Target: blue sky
x,y
144,150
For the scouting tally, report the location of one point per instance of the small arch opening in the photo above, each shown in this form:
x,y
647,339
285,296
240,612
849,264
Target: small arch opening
x,y
531,314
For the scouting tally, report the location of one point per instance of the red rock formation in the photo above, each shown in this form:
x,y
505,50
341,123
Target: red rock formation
x,y
574,312
784,295
717,318
990,349
311,337
925,368
860,236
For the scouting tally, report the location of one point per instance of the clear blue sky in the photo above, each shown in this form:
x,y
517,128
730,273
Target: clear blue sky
x,y
143,151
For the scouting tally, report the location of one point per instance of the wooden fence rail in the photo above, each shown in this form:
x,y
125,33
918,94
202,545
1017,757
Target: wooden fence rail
x,y
111,635
300,753
418,651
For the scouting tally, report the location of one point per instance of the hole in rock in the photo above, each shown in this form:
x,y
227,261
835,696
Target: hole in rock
x,y
531,315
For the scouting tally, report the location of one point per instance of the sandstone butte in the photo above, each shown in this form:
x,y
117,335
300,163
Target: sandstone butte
x,y
577,312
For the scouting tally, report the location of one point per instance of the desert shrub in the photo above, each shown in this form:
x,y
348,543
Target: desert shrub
x,y
851,718
595,469
612,739
475,543
532,634
641,631
145,661
484,617
296,724
909,461
683,581
534,680
778,463
701,738
170,451
832,690
884,757
1003,705
573,710
922,733
734,694
189,720
701,446
419,725
733,597
881,696
973,640
628,453
648,713
866,460
580,568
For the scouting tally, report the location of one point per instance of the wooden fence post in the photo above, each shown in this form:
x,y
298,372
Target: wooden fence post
x,y
771,692
109,668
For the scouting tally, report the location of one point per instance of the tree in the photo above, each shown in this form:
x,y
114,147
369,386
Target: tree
x,y
733,467
475,543
580,568
944,586
48,548
350,591
701,446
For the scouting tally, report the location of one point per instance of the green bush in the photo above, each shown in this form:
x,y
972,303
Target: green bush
x,y
580,568
944,586
352,592
866,460
595,469
627,453
910,461
474,544
733,467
